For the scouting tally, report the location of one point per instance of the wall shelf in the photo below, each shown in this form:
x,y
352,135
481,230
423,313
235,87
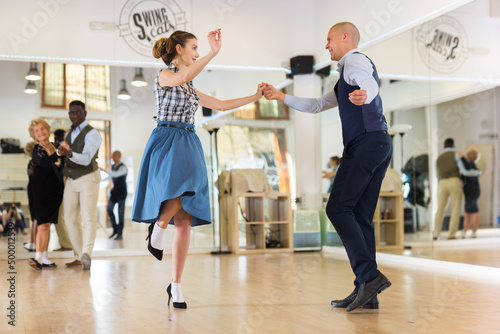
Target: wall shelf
x,y
254,223
389,231
14,179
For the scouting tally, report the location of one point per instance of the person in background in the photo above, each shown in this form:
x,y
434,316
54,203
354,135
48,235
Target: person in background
x,y
118,174
81,192
333,163
47,187
472,191
61,229
59,137
30,246
13,219
449,167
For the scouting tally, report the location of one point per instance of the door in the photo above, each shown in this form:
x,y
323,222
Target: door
x,y
485,163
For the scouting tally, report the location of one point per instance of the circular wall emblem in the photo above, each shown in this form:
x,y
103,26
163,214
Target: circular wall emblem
x,y
442,44
144,22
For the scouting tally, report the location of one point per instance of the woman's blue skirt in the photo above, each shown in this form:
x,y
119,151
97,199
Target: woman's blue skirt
x,y
173,165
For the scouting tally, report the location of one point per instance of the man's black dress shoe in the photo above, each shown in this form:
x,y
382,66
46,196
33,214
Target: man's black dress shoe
x,y
112,235
118,237
369,290
50,265
343,303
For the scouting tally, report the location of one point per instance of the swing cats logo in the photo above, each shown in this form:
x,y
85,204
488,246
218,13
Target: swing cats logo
x,y
442,44
144,22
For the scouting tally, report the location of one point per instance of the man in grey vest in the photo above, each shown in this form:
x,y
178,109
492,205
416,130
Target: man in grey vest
x,y
80,149
449,167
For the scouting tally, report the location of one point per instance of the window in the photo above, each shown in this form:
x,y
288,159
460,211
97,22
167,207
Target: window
x,y
63,83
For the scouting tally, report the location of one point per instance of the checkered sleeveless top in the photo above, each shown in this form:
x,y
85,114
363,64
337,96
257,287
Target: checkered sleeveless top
x,y
175,104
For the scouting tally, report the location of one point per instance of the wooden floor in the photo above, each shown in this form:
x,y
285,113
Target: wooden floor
x,y
244,294
483,250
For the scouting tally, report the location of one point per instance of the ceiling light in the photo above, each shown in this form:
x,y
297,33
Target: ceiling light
x,y
123,93
30,88
139,80
33,73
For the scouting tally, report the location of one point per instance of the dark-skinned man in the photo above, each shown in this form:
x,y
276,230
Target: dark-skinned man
x,y
80,150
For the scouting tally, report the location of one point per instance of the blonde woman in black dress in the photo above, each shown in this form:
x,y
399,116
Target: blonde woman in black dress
x,y
47,189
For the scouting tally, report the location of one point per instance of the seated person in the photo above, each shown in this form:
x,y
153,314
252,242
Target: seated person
x,y
14,215
333,163
1,218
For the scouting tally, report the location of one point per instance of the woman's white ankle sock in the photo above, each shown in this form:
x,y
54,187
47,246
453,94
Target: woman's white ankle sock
x,y
157,236
177,293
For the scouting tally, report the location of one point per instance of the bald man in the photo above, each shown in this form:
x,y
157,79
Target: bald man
x,y
367,154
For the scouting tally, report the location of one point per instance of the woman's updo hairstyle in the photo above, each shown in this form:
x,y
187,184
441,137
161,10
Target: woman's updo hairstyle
x,y
164,48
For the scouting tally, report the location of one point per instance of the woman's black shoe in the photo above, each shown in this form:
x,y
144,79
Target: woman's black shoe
x,y
25,245
157,253
176,305
35,264
50,265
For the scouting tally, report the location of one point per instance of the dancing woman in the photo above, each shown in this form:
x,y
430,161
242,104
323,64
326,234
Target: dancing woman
x,y
47,189
172,186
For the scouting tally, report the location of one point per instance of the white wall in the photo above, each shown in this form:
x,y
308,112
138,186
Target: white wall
x,y
17,109
29,27
414,143
259,32
400,55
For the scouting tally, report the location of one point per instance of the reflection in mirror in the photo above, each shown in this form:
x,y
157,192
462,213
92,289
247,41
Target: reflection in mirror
x,y
260,148
126,126
437,109
411,160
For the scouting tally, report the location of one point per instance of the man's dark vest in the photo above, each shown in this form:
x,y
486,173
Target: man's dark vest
x,y
357,120
120,182
74,170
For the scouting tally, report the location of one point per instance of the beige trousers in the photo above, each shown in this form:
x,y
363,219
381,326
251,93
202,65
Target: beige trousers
x,y
448,189
62,231
80,211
